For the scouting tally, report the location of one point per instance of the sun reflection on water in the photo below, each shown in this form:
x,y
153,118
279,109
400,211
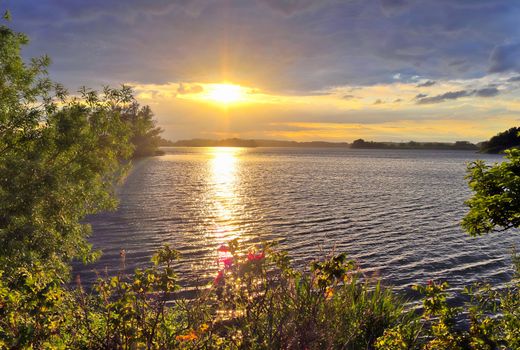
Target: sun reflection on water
x,y
225,198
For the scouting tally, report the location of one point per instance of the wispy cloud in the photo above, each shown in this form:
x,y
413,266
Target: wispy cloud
x,y
505,58
189,89
453,95
426,83
487,92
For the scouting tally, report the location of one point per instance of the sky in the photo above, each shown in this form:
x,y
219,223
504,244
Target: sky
x,y
334,70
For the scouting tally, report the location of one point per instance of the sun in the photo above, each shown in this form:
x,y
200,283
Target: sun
x,y
225,93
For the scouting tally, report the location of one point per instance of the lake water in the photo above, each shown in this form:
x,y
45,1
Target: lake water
x,y
397,212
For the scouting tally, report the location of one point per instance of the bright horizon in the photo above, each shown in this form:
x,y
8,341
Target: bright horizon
x,y
381,70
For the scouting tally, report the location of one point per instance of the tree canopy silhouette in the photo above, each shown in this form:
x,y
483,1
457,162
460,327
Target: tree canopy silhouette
x,y
502,141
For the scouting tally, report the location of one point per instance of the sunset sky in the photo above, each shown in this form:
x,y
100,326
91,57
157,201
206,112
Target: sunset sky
x,y
336,70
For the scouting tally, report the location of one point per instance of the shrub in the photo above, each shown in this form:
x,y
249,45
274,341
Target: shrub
x,y
257,301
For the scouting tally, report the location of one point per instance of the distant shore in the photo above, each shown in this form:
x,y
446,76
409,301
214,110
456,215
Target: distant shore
x,y
359,144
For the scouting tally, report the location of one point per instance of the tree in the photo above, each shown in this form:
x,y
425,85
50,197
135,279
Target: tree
x,y
502,141
25,91
359,143
144,132
495,205
59,160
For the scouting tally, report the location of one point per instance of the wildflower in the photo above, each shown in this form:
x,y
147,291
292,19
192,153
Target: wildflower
x,y
255,257
219,278
223,248
329,292
228,262
203,327
187,337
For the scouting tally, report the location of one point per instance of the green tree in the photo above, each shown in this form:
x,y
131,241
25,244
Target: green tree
x,y
26,93
144,132
495,205
59,160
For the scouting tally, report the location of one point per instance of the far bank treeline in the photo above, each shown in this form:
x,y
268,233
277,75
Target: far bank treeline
x,y
497,144
360,143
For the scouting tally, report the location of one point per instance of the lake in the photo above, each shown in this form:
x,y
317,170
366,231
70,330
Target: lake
x,y
396,212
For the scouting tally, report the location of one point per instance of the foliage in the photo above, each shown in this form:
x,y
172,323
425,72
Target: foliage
x,y
60,157
257,301
496,202
502,141
269,305
492,318
34,310
130,312
165,143
144,132
56,173
458,145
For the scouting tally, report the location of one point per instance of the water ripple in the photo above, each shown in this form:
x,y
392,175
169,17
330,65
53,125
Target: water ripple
x,y
396,212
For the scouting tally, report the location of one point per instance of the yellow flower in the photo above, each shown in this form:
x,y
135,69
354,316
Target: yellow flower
x,y
329,292
187,337
204,327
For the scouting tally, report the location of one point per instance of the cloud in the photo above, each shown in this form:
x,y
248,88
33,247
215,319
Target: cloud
x,y
379,102
487,92
419,96
290,7
393,7
252,42
514,79
190,89
505,58
348,97
426,83
453,95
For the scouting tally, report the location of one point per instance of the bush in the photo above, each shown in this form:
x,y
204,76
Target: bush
x,y
257,301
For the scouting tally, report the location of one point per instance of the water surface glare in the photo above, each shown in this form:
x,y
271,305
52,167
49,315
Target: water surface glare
x,y
397,212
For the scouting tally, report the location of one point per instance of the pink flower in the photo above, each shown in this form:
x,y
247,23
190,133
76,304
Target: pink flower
x,y
228,262
223,248
255,257
219,278
225,256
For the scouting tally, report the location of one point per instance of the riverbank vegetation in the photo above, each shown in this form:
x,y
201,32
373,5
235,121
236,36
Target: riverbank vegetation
x,y
502,141
61,156
459,145
256,301
497,144
360,143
